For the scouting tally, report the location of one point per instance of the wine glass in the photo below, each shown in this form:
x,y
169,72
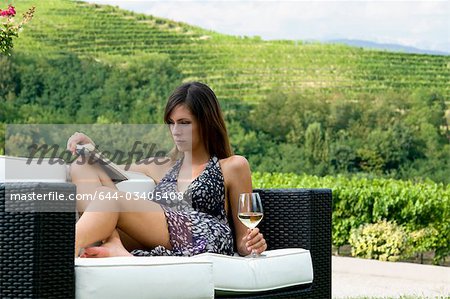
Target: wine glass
x,y
250,211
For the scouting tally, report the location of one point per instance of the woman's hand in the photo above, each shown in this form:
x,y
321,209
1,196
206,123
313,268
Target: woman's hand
x,y
253,241
77,138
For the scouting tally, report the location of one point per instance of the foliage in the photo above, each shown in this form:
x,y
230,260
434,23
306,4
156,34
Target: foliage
x,y
384,241
374,113
356,201
10,29
89,90
392,135
236,68
423,240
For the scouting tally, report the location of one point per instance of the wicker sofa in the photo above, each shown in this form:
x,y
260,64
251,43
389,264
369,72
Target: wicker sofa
x,y
36,256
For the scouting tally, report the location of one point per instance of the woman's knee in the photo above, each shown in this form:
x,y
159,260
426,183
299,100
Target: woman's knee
x,y
81,170
148,229
78,166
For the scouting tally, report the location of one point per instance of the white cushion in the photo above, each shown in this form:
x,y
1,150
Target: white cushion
x,y
191,277
16,169
138,182
276,269
143,277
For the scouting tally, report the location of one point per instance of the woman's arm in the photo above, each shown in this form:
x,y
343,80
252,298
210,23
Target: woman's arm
x,y
153,167
239,181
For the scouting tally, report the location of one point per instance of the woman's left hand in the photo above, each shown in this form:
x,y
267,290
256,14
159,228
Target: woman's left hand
x,y
254,241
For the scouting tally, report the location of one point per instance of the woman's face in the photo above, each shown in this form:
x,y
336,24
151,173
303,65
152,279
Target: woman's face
x,y
184,128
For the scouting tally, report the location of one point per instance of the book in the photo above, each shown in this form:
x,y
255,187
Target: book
x,y
93,154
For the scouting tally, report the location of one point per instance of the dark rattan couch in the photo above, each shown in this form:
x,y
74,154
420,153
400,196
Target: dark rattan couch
x,y
37,249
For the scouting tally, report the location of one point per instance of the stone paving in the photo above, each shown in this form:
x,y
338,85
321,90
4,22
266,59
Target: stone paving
x,y
356,278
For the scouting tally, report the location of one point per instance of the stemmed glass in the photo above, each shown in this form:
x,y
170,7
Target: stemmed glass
x,y
250,211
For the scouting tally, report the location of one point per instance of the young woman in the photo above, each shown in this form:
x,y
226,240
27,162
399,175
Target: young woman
x,y
205,173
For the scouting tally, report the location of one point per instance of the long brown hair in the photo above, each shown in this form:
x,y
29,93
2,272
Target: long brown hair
x,y
203,104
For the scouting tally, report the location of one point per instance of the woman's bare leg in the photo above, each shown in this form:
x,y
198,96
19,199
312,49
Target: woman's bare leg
x,y
142,220
92,178
110,247
87,178
118,244
128,242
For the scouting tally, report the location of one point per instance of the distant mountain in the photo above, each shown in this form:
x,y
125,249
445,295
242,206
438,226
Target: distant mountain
x,y
382,46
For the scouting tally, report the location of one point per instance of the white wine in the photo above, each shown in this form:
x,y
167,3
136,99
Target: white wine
x,y
250,219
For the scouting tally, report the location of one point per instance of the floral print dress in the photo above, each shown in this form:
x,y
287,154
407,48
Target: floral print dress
x,y
196,219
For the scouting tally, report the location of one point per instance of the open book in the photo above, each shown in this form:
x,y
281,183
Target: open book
x,y
92,154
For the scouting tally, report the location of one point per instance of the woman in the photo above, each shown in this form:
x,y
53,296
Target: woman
x,y
198,129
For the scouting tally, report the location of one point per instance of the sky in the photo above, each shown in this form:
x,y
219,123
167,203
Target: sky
x,y
421,24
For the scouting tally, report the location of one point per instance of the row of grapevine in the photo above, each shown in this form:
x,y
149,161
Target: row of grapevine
x,y
238,68
356,201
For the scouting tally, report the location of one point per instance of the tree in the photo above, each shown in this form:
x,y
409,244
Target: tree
x,y
316,147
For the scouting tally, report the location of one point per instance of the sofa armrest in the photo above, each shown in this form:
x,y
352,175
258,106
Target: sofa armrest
x,y
37,249
301,218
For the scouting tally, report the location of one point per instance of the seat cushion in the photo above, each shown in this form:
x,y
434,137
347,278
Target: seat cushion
x,y
17,169
138,182
143,277
275,269
191,277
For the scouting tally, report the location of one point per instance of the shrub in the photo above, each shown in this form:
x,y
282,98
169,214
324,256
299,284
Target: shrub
x,y
9,28
423,240
384,241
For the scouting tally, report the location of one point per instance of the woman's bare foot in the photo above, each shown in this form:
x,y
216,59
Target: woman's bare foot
x,y
110,247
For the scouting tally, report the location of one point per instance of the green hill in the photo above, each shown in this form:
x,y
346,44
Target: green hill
x,y
236,67
290,106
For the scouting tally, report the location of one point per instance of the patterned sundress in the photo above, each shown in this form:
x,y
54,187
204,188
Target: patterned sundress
x,y
197,223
